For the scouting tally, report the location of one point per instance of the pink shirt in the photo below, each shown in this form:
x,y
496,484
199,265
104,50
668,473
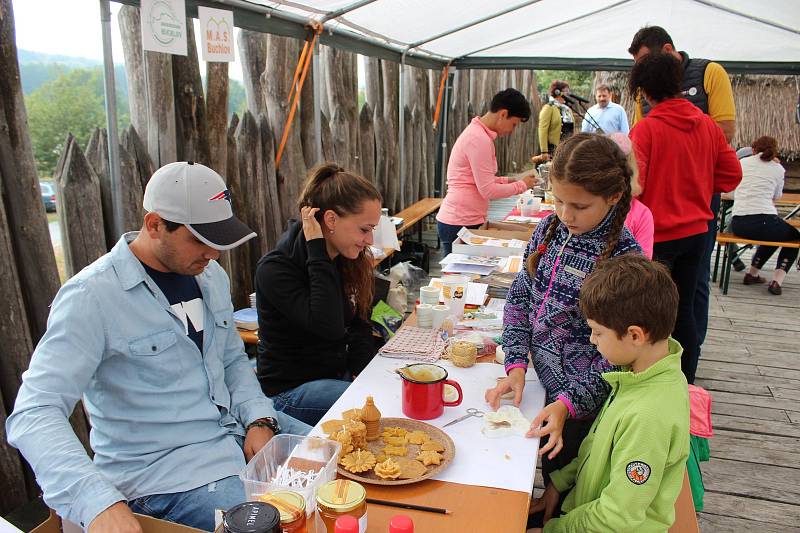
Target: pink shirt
x,y
472,178
640,222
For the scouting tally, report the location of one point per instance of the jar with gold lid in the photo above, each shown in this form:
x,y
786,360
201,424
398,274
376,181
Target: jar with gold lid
x,y
292,508
341,497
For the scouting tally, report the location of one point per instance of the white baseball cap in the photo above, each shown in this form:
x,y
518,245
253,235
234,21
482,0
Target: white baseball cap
x,y
192,194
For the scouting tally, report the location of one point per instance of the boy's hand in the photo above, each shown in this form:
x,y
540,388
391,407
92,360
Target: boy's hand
x,y
117,518
550,421
546,503
515,381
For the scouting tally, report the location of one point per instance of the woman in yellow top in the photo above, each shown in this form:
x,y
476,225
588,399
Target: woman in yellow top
x,y
556,121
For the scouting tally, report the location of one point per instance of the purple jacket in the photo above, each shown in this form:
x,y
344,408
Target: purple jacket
x,y
542,317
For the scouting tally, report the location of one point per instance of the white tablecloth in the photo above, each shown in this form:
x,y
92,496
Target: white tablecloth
x,y
507,463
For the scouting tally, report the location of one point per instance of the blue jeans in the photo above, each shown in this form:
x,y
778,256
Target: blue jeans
x,y
196,507
701,294
310,401
448,233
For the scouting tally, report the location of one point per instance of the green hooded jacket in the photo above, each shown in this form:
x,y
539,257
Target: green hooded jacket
x,y
629,470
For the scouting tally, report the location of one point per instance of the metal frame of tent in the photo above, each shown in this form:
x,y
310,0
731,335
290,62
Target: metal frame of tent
x,y
266,19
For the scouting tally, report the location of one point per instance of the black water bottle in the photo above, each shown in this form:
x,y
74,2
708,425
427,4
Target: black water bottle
x,y
252,517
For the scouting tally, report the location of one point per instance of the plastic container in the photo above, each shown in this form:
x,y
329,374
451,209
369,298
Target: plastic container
x,y
300,453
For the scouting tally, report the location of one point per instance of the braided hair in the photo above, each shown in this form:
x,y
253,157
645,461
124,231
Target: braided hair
x,y
597,164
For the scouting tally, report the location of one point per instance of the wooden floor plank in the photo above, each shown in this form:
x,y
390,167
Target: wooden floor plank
x,y
749,448
757,401
750,411
712,523
713,385
765,482
782,514
706,373
755,425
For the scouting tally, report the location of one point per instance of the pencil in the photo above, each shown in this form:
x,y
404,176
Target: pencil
x,y
411,506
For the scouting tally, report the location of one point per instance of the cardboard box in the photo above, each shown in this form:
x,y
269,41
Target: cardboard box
x,y
148,523
495,230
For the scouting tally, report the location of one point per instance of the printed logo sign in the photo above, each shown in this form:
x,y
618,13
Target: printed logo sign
x,y
216,29
164,26
638,472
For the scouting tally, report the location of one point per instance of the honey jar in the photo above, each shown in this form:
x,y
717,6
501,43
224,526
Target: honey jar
x,y
341,497
292,508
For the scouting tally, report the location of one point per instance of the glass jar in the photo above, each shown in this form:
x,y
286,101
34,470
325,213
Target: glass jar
x,y
292,508
252,517
341,497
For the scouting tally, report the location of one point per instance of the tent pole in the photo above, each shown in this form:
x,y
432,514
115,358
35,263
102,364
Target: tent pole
x,y
317,81
402,128
346,9
448,88
111,116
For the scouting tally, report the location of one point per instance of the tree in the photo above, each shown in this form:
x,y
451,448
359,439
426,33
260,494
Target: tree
x,y
580,81
72,103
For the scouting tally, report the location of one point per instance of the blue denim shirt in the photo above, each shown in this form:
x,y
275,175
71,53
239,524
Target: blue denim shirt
x,y
165,418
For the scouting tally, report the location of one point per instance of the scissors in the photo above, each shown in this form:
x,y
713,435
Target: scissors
x,y
470,413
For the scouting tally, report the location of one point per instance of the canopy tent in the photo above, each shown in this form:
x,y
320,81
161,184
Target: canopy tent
x,y
745,36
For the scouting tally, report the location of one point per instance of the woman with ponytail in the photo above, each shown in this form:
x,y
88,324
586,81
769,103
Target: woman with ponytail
x,y
591,182
314,295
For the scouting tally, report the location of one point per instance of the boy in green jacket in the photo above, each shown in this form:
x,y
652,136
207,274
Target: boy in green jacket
x,y
629,470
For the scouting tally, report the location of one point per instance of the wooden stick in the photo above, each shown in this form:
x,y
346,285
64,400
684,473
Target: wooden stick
x,y
411,506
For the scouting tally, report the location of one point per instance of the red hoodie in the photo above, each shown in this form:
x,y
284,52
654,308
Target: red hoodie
x,y
683,160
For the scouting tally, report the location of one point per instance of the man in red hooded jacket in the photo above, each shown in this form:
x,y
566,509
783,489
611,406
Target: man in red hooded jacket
x,y
683,159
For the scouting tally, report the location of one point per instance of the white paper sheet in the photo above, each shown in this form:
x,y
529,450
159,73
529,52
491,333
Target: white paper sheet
x,y
476,292
508,463
385,234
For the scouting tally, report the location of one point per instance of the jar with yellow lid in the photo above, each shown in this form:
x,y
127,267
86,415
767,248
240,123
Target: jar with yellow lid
x,y
292,507
341,497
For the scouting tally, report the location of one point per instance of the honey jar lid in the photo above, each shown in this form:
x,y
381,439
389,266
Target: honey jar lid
x,y
341,495
289,504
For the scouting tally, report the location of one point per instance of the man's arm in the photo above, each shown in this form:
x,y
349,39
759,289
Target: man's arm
x,y
544,128
623,121
61,367
721,105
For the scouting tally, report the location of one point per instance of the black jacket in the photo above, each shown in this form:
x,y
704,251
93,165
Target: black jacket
x,y
307,329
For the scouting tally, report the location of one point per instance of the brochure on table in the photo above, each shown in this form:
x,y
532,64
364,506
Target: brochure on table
x,y
476,292
506,463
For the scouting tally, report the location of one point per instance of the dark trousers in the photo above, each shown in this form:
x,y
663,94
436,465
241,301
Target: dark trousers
x,y
683,257
701,293
574,433
768,228
448,233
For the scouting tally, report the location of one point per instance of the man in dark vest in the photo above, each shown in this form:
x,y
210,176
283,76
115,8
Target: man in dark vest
x,y
706,85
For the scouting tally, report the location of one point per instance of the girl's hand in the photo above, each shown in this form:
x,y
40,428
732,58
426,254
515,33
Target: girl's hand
x,y
515,381
550,421
311,228
546,503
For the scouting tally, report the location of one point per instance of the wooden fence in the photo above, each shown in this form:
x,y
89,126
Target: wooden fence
x,y
173,117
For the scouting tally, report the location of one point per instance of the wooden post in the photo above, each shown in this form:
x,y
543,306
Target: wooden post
x,y
161,129
217,115
342,90
135,147
190,106
417,148
306,112
274,222
33,251
253,184
282,56
366,137
390,73
240,265
253,50
80,208
129,183
131,33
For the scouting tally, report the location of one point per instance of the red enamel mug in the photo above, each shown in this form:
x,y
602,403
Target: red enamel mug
x,y
423,391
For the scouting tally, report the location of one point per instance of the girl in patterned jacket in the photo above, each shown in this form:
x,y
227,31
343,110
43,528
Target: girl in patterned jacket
x,y
591,182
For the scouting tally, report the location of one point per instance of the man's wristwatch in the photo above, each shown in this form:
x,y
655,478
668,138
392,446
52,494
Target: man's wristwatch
x,y
267,422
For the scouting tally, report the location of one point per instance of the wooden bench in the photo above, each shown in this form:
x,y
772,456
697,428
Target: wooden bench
x,y
415,213
728,241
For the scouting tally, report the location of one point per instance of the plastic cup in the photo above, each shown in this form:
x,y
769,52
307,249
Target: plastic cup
x,y
429,295
440,312
454,291
531,207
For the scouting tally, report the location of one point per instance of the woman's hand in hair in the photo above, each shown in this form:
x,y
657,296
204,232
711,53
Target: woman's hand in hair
x,y
311,227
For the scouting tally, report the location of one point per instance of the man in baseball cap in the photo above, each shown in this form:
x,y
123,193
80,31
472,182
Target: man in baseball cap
x,y
145,336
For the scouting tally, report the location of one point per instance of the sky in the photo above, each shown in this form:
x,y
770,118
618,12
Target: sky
x,y
72,28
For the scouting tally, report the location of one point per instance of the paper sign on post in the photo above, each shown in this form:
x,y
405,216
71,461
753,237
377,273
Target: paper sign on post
x,y
216,29
164,26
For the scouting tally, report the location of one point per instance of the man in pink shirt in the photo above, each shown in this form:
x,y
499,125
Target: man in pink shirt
x,y
472,178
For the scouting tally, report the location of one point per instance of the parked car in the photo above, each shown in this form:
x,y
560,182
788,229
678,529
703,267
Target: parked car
x,y
48,196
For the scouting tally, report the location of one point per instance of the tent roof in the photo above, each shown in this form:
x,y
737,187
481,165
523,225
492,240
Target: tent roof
x,y
743,35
